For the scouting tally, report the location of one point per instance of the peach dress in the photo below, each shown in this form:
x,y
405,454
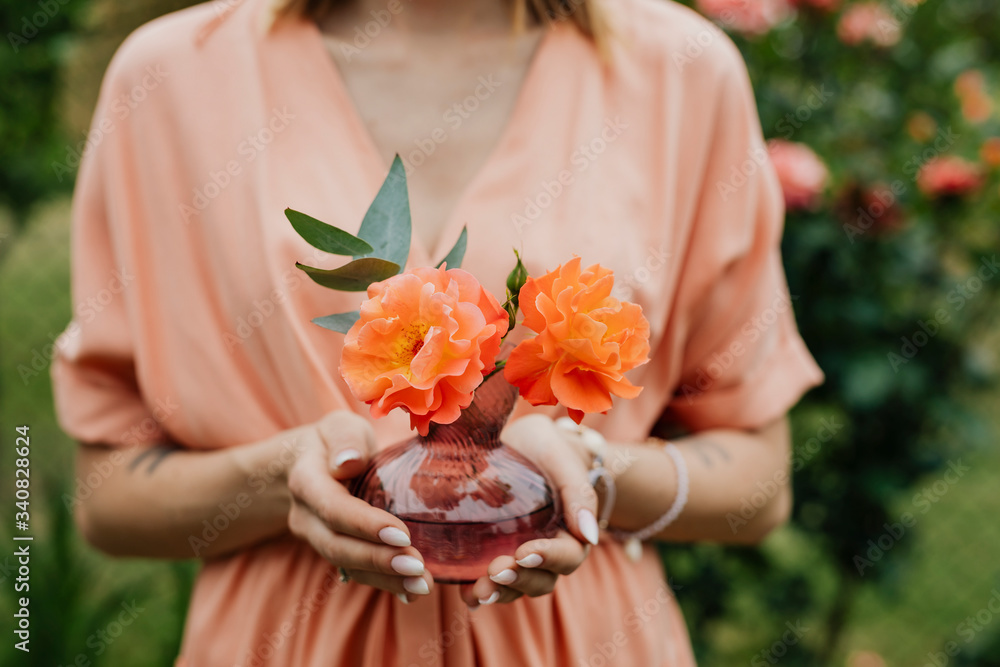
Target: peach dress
x,y
209,125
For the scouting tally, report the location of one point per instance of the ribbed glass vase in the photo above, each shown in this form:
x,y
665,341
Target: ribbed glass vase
x,y
465,496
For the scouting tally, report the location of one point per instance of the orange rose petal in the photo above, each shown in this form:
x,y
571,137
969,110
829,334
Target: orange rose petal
x,y
528,370
580,390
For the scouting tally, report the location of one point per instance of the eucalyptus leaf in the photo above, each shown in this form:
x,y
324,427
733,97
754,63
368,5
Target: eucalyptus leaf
x,y
386,226
340,322
354,276
457,253
326,237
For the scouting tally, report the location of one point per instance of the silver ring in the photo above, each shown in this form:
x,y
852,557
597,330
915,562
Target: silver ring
x,y
344,577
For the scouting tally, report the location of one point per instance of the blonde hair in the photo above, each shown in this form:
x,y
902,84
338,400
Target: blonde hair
x,y
586,15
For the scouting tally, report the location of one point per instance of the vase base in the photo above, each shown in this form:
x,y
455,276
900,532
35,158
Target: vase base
x,y
460,553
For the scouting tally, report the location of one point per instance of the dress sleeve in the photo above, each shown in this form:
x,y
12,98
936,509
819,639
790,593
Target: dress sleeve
x,y
97,395
743,362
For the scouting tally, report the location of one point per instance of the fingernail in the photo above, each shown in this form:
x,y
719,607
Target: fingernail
x,y
505,577
394,537
593,440
345,456
494,596
531,560
567,424
588,525
416,585
402,598
408,566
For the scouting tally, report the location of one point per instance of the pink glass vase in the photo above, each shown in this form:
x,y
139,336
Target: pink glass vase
x,y
465,496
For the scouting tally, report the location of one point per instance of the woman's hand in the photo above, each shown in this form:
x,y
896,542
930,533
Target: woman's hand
x,y
371,545
535,567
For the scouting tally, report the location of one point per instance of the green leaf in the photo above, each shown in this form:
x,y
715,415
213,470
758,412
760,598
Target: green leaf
x,y
515,281
457,253
511,307
517,277
326,237
340,322
354,276
386,226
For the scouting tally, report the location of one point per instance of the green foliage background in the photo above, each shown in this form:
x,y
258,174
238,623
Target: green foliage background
x,y
896,432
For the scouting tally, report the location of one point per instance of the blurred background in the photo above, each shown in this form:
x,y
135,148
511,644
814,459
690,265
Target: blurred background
x,y
884,121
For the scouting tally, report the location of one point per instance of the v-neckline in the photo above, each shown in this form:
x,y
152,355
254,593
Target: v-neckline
x,y
376,165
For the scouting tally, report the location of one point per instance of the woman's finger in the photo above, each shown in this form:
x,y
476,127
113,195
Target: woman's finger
x,y
532,582
349,440
561,554
406,589
569,476
353,553
313,487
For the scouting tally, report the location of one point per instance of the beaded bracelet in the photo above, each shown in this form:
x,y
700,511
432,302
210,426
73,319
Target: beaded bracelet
x,y
597,445
633,541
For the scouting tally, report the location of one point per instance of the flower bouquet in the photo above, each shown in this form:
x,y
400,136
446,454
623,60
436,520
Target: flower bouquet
x,y
428,341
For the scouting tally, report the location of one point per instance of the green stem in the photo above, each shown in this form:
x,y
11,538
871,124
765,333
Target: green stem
x,y
496,369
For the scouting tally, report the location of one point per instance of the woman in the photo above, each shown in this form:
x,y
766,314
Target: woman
x,y
627,136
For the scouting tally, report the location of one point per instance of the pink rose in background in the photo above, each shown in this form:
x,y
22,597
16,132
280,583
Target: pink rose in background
x,y
871,22
750,17
802,174
949,176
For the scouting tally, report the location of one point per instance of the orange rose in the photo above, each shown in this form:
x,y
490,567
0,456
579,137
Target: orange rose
x,y
587,340
423,343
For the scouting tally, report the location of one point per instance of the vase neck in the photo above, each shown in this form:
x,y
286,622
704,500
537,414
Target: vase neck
x,y
480,424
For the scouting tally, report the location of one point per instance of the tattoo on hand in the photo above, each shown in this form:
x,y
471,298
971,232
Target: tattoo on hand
x,y
153,456
704,446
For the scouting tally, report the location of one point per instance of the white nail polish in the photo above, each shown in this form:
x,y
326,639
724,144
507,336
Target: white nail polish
x,y
408,566
567,424
593,440
345,456
588,525
494,596
394,537
504,577
402,598
531,560
416,585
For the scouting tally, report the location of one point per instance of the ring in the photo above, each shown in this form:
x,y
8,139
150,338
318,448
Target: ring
x,y
344,577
